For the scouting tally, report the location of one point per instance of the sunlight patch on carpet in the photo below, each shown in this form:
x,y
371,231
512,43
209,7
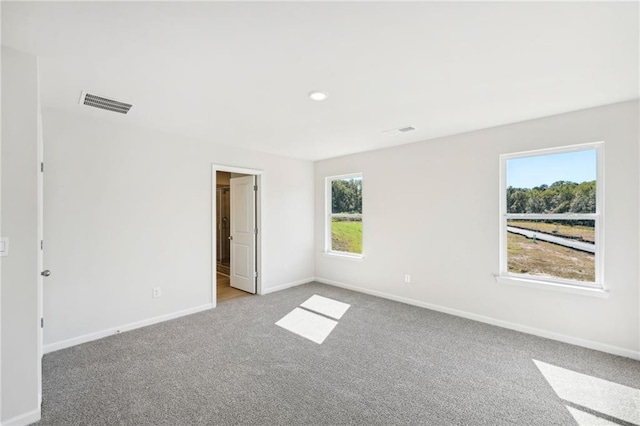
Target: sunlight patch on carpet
x,y
607,399
325,306
307,324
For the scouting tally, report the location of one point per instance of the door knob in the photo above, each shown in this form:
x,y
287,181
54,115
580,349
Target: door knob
x,y
45,273
231,237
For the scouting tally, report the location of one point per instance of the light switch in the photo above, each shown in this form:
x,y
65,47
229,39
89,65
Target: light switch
x,y
4,246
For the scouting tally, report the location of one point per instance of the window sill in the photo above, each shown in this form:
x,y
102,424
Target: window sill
x,y
346,256
565,288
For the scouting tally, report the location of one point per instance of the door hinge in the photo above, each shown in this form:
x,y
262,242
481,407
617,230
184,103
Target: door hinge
x,y
255,274
255,231
255,187
41,245
41,322
42,167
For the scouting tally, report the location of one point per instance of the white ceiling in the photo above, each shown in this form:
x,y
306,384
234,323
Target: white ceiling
x,y
239,73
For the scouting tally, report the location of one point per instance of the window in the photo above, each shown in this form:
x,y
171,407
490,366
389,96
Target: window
x,y
344,215
551,216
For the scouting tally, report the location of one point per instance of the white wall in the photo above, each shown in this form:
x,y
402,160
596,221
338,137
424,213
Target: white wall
x,y
431,210
19,387
128,209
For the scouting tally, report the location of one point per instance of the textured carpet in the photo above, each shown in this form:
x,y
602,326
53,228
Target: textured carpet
x,y
384,363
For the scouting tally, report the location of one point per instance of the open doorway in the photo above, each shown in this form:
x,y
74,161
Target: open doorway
x,y
224,290
223,213
236,213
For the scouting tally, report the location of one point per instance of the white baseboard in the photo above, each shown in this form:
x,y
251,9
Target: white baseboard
x,y
51,347
603,347
287,285
23,419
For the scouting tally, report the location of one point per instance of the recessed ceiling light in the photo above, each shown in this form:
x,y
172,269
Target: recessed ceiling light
x,y
318,96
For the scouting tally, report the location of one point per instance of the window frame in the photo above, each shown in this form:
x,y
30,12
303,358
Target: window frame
x,y
575,286
329,215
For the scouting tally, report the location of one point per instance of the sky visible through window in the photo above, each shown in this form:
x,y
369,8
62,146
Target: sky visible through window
x,y
529,172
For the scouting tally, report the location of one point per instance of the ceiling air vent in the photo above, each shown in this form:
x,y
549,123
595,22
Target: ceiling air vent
x,y
404,129
104,103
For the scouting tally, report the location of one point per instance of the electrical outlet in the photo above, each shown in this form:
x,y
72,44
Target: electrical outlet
x,y
4,246
407,278
157,292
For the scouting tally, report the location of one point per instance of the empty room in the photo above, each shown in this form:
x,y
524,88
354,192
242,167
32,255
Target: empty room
x,y
320,213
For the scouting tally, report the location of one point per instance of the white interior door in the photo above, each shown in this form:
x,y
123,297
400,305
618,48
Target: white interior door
x,y
243,234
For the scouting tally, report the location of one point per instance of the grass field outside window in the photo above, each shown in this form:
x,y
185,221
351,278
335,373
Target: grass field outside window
x,y
346,235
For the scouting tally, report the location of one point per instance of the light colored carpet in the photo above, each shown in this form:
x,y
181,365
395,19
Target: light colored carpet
x,y
384,363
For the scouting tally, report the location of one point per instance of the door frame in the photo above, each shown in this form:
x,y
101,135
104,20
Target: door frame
x,y
40,243
259,200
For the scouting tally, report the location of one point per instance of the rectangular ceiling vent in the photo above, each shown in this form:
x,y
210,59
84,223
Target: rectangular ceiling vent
x,y
404,129
104,103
